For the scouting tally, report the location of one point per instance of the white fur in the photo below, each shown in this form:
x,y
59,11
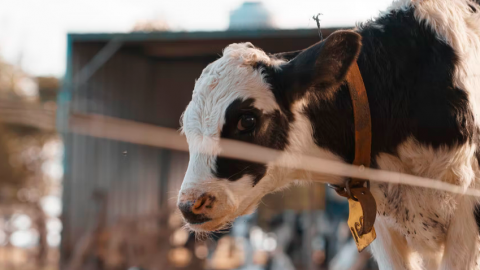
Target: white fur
x,y
398,255
451,240
229,78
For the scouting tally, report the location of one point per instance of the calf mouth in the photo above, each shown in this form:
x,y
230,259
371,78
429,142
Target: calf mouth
x,y
200,221
195,219
217,224
209,225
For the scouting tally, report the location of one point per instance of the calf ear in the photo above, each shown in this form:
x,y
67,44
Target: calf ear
x,y
322,67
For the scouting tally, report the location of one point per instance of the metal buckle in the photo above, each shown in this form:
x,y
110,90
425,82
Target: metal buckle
x,y
347,190
362,211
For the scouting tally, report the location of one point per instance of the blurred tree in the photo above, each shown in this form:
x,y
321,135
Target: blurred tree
x,y
21,157
16,84
23,182
48,88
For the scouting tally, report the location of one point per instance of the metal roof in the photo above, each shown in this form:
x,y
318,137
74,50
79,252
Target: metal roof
x,y
199,35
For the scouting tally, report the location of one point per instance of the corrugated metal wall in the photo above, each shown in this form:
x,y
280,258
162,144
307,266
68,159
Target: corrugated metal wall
x,y
135,179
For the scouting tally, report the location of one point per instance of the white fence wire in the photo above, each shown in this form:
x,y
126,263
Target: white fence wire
x,y
145,134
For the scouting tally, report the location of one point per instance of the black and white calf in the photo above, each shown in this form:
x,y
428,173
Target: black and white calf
x,y
420,61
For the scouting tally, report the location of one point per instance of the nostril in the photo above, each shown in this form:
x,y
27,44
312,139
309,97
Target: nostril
x,y
192,216
204,202
200,202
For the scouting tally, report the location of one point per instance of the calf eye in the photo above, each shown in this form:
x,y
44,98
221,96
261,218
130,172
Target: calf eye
x,y
246,123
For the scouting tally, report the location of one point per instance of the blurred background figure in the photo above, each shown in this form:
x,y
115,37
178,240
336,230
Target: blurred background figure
x,y
75,202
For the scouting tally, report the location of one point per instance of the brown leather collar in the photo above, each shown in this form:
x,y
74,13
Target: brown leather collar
x,y
361,115
355,188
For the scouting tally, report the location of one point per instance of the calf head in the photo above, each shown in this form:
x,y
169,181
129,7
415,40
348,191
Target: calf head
x,y
250,96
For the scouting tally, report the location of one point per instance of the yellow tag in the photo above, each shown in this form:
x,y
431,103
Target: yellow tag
x,y
355,223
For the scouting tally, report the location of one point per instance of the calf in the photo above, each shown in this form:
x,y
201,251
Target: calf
x,y
420,62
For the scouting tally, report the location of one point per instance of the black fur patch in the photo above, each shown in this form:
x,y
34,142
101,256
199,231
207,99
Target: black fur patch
x,y
408,74
476,213
332,123
271,131
472,6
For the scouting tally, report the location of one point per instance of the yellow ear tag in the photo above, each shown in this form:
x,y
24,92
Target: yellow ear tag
x,y
361,228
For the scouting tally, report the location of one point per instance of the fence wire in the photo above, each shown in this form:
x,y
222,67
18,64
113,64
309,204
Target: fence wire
x,y
145,134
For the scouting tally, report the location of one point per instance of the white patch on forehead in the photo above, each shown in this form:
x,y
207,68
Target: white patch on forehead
x,y
229,78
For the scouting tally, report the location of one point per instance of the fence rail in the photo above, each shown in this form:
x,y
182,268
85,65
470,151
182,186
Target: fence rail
x,y
146,134
27,114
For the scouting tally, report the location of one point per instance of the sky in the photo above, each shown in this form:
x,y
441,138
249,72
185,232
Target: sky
x,y
33,32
